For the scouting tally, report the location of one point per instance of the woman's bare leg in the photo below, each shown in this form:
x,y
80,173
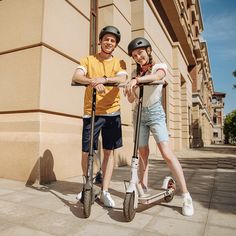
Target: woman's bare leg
x,y
174,165
143,166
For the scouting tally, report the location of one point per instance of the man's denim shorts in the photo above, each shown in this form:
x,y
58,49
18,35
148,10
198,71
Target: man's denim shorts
x,y
153,119
110,127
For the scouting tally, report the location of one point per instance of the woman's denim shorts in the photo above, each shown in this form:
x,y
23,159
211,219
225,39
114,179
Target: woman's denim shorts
x,y
153,119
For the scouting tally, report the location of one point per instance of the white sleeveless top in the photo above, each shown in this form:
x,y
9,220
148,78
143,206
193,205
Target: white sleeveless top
x,y
152,93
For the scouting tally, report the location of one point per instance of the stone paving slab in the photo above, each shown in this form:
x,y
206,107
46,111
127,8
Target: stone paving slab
x,y
52,209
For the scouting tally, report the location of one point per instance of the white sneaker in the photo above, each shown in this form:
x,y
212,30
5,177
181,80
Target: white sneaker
x,y
79,196
146,189
187,209
106,199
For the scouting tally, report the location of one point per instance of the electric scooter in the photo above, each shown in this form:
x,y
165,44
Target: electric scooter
x,y
88,196
88,193
134,192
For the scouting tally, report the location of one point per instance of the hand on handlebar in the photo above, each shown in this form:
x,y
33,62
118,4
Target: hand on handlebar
x,y
98,81
98,84
100,88
130,87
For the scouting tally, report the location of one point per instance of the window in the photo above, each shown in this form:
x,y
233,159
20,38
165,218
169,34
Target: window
x,y
215,135
215,120
93,26
214,100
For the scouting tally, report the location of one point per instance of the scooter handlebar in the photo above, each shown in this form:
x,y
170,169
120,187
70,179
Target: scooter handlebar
x,y
120,85
107,84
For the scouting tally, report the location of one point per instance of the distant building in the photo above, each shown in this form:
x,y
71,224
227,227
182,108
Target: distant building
x,y
218,117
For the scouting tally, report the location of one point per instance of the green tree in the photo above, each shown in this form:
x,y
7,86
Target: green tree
x,y
230,128
234,74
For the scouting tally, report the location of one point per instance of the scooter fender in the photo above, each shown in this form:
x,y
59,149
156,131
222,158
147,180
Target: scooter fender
x,y
166,182
135,200
132,188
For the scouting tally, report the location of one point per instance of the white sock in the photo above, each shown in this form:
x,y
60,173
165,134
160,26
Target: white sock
x,y
186,195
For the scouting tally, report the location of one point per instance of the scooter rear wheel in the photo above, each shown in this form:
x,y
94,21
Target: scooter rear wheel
x,y
128,207
87,202
171,185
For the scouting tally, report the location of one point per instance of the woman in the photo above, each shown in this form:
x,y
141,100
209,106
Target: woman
x,y
153,116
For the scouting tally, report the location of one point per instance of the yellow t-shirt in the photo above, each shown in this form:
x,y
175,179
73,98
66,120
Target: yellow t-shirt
x,y
93,67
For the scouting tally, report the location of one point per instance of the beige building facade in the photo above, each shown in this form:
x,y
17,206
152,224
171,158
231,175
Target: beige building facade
x,y
40,45
202,126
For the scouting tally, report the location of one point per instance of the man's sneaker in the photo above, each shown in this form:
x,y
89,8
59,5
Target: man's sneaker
x,y
79,197
106,199
98,178
187,209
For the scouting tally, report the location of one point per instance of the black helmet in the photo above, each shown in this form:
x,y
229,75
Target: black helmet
x,y
110,30
138,43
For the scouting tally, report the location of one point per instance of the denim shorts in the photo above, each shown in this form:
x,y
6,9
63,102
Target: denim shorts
x,y
110,127
153,119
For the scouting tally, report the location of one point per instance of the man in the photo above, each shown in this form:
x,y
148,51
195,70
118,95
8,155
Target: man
x,y
96,70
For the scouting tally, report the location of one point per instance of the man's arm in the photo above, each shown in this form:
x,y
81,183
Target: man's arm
x,y
117,79
109,80
79,77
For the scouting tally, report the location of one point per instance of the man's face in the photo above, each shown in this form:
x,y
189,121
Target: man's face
x,y
108,43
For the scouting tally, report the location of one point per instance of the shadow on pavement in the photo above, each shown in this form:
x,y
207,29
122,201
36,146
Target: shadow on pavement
x,y
223,149
61,190
211,181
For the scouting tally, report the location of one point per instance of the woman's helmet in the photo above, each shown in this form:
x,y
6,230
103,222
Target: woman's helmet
x,y
110,30
138,43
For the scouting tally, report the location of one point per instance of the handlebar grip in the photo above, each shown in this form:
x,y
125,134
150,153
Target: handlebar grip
x,y
107,84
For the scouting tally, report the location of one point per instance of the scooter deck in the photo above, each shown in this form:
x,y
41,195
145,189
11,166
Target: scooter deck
x,y
154,195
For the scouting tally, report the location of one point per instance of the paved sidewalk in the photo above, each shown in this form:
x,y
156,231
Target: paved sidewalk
x,y
52,210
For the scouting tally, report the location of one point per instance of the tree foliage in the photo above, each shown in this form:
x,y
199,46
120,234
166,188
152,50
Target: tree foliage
x,y
230,127
234,74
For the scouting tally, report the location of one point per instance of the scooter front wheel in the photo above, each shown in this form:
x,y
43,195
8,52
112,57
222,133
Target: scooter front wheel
x,y
171,185
128,206
87,202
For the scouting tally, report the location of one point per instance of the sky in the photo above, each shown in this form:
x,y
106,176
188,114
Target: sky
x,y
219,32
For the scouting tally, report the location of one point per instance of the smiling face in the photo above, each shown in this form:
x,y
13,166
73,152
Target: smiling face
x,y
140,55
108,43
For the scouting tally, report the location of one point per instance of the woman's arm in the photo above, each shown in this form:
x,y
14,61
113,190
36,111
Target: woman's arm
x,y
159,75
131,97
130,91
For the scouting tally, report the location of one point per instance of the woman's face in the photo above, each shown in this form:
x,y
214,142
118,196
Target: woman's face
x,y
140,56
